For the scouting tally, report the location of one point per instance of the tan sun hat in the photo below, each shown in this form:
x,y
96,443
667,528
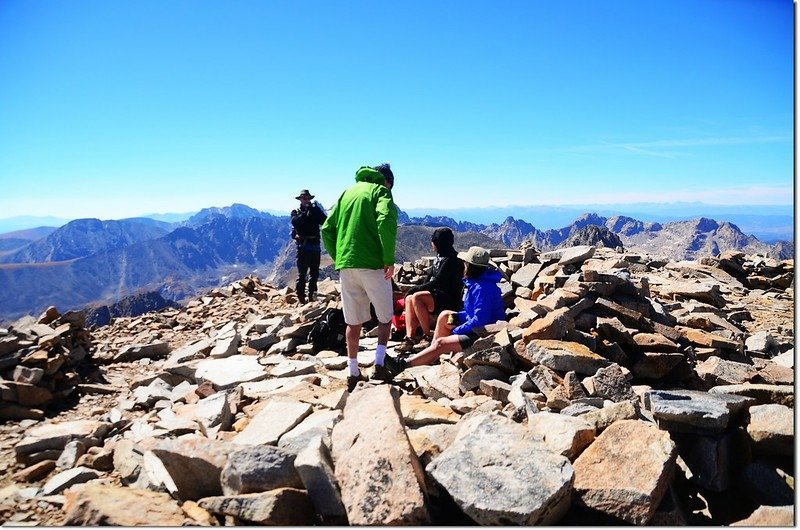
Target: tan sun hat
x,y
304,193
477,256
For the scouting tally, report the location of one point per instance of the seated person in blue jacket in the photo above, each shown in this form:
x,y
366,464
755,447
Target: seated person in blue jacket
x,y
483,304
441,292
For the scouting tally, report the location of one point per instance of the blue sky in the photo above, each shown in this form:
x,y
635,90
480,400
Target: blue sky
x,y
114,109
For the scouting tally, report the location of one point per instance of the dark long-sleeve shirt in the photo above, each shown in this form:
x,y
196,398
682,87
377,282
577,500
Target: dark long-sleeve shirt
x,y
445,282
305,223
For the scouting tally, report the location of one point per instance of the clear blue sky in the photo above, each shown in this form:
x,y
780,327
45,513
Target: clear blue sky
x,y
114,109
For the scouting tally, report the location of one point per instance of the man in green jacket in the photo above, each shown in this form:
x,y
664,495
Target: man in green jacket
x,y
360,234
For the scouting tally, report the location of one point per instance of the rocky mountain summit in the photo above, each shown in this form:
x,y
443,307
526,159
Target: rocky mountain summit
x,y
623,389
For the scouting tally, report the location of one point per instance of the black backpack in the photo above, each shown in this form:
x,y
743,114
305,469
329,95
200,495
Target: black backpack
x,y
328,331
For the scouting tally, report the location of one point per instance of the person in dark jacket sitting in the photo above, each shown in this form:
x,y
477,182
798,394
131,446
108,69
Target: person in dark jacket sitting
x,y
441,292
455,331
305,231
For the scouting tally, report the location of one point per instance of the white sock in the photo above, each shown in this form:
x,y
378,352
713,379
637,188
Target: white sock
x,y
380,354
353,365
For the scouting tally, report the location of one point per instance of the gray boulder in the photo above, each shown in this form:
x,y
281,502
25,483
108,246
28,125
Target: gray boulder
x,y
498,474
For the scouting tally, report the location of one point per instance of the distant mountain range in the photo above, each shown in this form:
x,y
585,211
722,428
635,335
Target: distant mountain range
x,y
769,223
93,262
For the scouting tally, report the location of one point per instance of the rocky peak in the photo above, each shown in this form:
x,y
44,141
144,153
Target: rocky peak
x,y
704,224
235,210
512,231
84,237
589,219
627,226
599,236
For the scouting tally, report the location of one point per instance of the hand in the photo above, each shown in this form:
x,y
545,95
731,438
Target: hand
x,y
388,272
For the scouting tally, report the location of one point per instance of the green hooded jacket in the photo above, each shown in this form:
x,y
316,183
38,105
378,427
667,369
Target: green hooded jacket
x,y
361,229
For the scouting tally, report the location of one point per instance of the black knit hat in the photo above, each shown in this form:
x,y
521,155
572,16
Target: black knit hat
x,y
386,171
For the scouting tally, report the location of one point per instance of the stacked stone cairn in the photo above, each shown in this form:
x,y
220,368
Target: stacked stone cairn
x,y
622,389
42,361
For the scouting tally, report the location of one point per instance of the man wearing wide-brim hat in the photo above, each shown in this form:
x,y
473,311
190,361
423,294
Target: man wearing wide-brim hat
x,y
306,221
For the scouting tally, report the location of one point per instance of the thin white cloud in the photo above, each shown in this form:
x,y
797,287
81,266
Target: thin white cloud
x,y
654,148
755,194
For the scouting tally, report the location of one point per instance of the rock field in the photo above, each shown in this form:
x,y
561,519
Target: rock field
x,y
623,389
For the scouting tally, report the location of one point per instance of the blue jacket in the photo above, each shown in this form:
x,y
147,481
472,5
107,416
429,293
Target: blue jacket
x,y
483,303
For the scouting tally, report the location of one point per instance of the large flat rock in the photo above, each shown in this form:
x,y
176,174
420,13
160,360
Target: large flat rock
x,y
318,424
376,467
771,429
694,411
278,507
231,371
314,466
194,465
57,435
563,356
100,505
499,474
625,472
257,468
564,435
419,411
278,417
762,394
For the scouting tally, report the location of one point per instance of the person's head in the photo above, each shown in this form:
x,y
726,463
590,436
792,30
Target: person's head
x,y
473,272
385,170
442,239
304,197
476,262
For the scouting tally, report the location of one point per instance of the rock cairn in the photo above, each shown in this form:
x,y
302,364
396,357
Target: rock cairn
x,y
622,389
42,360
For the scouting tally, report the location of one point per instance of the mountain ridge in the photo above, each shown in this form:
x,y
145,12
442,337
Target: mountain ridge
x,y
235,240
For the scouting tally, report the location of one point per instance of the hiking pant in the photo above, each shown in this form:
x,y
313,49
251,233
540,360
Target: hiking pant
x,y
307,264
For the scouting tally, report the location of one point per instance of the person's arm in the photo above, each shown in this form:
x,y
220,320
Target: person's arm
x,y
318,213
296,217
436,281
386,217
328,233
479,317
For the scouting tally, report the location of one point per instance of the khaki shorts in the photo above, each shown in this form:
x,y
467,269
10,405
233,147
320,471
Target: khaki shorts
x,y
360,287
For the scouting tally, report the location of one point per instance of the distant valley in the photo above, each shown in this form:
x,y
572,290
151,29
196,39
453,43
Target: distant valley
x,y
103,263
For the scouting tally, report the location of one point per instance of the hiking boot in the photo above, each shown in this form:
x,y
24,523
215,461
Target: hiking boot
x,y
422,344
301,299
390,369
353,380
406,346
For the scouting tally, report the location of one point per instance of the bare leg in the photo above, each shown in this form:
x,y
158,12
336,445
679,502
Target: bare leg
x,y
423,307
384,330
443,329
352,334
411,317
432,352
419,306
